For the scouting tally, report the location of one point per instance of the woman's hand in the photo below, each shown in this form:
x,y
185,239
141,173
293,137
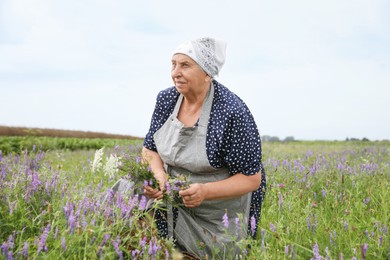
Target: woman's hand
x,y
150,192
157,166
220,190
194,195
153,193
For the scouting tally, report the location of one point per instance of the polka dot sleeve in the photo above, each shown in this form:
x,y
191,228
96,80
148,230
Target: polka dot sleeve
x,y
233,138
243,143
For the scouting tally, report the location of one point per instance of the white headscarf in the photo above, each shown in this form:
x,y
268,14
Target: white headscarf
x,y
208,53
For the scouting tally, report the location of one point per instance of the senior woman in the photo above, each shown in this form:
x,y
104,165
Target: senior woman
x,y
202,130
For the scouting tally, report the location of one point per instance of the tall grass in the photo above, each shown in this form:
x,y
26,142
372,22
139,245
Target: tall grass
x,y
325,200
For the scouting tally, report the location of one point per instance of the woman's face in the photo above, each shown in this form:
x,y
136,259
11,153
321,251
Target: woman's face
x,y
187,76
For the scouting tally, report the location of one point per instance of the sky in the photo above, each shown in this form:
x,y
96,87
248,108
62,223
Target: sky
x,y
313,70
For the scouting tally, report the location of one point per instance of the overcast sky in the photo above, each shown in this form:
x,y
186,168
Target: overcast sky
x,y
308,69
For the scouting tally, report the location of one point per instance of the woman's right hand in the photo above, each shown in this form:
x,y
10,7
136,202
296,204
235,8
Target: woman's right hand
x,y
162,179
153,193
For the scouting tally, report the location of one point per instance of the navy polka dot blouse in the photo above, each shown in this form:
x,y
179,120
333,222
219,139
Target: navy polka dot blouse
x,y
233,140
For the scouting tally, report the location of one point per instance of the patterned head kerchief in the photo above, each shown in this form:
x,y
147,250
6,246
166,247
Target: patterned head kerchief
x,y
209,53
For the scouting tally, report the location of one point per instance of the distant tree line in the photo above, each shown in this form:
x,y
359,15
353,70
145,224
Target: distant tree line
x,y
268,138
364,139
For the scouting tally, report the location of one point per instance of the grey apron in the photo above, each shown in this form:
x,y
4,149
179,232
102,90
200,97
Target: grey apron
x,y
200,230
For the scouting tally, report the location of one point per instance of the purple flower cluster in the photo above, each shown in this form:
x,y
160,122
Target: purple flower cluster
x,y
225,220
316,253
85,212
42,241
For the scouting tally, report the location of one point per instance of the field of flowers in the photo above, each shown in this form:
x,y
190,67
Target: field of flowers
x,y
325,200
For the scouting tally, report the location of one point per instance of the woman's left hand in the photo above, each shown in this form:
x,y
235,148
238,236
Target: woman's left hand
x,y
194,195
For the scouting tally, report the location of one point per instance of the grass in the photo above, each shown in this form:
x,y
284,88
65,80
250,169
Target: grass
x,y
325,200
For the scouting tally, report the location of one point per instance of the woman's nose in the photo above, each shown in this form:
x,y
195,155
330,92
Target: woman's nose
x,y
175,72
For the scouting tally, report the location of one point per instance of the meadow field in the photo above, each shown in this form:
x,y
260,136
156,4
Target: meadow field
x,y
324,200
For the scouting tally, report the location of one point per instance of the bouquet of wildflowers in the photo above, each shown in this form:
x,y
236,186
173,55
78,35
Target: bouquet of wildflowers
x,y
139,173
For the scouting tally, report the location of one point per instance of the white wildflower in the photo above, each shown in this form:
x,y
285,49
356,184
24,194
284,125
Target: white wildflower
x,y
112,165
97,161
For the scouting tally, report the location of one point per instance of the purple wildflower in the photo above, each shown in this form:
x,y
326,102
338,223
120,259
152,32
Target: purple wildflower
x,y
110,196
42,240
143,243
79,209
11,239
225,220
168,187
134,253
316,253
142,203
3,171
146,183
153,248
68,209
116,243
253,225
133,201
272,227
314,168
166,254
12,206
138,159
105,239
34,184
84,223
63,243
71,222
25,250
364,250
366,200
286,250
323,193
4,248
